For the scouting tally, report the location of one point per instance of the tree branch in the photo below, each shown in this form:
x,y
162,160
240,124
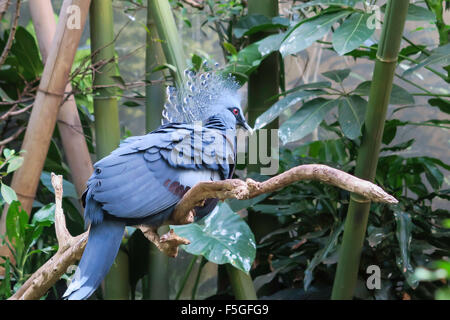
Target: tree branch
x,y
71,248
12,33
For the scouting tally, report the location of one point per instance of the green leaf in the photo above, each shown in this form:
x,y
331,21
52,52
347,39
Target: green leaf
x,y
306,33
439,55
196,62
165,66
321,255
254,23
45,215
280,106
230,48
131,104
68,187
16,224
306,119
399,96
14,164
337,75
352,33
352,110
270,43
8,152
26,51
442,104
399,147
8,194
5,286
433,174
221,237
417,13
403,233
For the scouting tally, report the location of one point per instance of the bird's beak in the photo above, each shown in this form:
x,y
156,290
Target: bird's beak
x,y
248,128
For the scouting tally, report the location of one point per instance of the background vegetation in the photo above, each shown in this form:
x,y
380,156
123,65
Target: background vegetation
x,y
310,65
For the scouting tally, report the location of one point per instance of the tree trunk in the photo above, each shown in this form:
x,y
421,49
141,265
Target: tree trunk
x,y
69,124
368,153
46,107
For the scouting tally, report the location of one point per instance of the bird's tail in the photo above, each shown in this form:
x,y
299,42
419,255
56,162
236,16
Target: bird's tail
x,y
101,250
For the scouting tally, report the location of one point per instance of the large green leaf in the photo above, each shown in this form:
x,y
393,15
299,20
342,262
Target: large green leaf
x,y
221,237
399,95
352,110
276,109
352,33
439,55
306,119
308,32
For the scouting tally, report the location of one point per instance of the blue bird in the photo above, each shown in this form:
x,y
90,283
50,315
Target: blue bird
x,y
141,181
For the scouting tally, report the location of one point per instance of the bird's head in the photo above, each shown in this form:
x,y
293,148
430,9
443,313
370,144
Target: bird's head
x,y
239,117
203,96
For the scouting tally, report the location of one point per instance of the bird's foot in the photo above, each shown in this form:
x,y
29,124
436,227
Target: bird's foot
x,y
169,243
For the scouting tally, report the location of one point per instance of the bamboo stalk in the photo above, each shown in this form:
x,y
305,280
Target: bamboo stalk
x,y
241,283
69,124
170,40
46,106
262,84
107,129
163,45
155,93
368,153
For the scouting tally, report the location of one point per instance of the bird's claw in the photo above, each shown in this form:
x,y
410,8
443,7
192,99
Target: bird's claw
x,y
169,242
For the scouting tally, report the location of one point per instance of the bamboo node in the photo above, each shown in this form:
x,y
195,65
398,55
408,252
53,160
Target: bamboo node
x,y
61,95
387,60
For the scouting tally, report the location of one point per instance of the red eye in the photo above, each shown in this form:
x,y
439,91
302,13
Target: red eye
x,y
235,111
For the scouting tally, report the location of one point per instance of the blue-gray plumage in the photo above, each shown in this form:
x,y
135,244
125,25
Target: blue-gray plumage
x,y
143,180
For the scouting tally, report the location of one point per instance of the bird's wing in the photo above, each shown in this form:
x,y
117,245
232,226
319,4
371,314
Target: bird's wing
x,y
141,177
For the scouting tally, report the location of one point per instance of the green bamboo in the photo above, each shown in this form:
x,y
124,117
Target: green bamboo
x,y
107,129
171,43
264,82
368,153
241,283
155,93
262,85
117,286
155,286
163,45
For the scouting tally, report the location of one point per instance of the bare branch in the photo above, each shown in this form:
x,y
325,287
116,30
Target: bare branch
x,y
12,33
238,189
12,137
194,3
71,248
69,252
